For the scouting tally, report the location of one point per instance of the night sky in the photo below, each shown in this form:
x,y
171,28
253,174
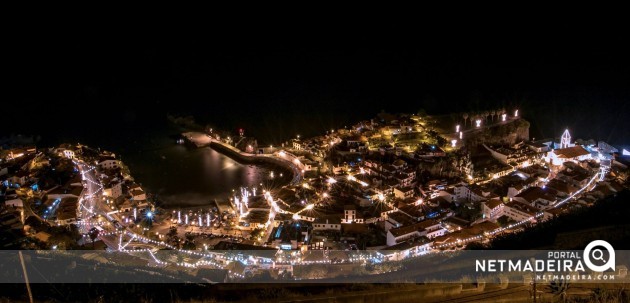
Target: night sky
x,y
280,80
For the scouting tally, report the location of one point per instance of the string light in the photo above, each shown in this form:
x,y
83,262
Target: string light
x,y
276,209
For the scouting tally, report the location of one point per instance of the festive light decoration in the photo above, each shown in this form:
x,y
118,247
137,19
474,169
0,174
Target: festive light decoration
x,y
565,141
296,257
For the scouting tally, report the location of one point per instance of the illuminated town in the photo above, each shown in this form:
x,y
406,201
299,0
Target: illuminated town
x,y
386,189
332,161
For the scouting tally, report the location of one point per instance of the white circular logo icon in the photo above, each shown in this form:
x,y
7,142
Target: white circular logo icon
x,y
597,254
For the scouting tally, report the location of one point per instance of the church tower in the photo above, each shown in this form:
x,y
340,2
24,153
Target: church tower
x,y
566,139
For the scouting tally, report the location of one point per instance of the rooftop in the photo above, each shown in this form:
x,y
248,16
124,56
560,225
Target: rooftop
x,y
571,152
400,231
534,193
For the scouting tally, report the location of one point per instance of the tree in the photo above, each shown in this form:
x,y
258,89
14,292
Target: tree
x,y
93,234
189,245
258,232
559,289
172,238
172,232
146,223
465,116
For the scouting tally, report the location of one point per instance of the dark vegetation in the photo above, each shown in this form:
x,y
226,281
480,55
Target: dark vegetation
x,y
610,213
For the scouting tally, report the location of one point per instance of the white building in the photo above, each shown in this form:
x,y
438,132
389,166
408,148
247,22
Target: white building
x,y
109,164
537,197
68,154
403,192
138,194
350,215
575,153
327,224
492,209
16,203
463,192
297,144
428,228
113,189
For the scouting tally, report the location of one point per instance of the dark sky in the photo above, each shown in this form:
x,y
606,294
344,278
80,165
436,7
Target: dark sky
x,y
282,79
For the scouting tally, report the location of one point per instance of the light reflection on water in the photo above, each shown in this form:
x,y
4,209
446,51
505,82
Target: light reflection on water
x,y
185,176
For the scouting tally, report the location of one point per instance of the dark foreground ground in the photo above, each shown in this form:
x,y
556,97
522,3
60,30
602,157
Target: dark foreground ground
x,y
607,220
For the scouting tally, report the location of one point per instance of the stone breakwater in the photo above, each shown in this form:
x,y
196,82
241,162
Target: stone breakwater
x,y
201,140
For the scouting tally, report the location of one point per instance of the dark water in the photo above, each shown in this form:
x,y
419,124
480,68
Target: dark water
x,y
177,174
180,175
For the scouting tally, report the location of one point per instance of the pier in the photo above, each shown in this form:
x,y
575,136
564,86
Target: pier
x,y
293,164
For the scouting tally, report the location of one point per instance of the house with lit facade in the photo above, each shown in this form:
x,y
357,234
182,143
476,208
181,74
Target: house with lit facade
x,y
567,152
429,228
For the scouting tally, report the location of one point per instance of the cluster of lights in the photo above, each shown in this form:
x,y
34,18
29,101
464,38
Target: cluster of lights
x,y
601,174
514,225
316,262
275,208
137,237
88,223
104,234
207,262
156,259
237,275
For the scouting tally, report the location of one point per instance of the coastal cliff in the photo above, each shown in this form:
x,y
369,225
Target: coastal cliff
x,y
502,134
